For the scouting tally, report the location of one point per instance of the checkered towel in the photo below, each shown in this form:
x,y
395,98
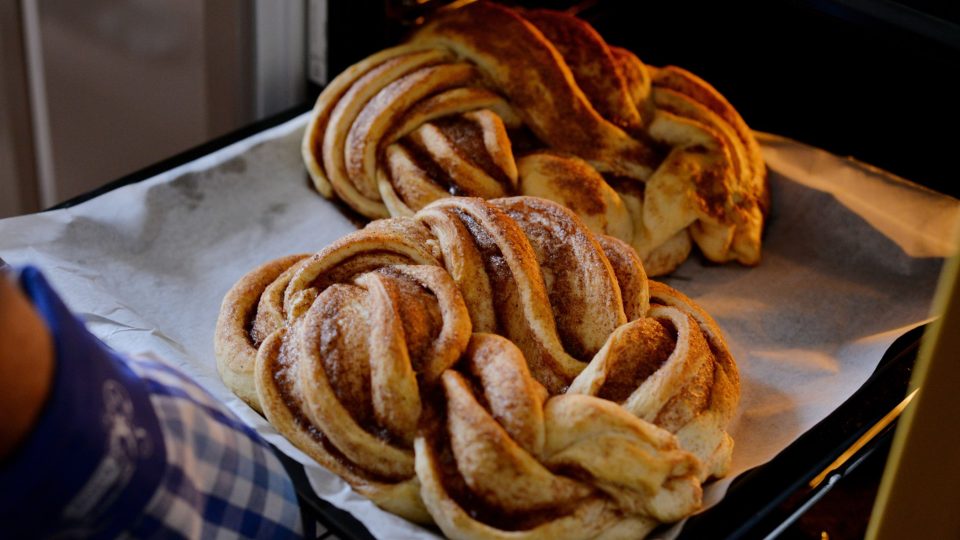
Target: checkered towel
x,y
134,449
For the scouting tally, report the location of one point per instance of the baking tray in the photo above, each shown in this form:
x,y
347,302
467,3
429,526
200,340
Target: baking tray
x,y
765,501
760,502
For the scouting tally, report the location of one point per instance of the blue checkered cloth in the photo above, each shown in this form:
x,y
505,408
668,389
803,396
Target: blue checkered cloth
x,y
134,449
222,480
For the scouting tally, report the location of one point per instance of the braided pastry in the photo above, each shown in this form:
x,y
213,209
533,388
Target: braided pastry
x,y
486,101
499,459
489,366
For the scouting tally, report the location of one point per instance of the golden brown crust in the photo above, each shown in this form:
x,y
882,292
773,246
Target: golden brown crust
x,y
750,190
337,109
573,183
653,156
235,344
726,396
498,459
585,298
489,36
661,369
313,139
638,80
630,273
597,411
342,381
595,68
521,306
378,116
285,412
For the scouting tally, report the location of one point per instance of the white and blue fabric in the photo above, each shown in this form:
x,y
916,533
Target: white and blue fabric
x,y
134,449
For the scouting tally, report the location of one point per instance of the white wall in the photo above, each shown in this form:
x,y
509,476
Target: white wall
x,y
118,85
18,190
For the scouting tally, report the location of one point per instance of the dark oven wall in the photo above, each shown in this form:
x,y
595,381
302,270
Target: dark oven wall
x,y
873,79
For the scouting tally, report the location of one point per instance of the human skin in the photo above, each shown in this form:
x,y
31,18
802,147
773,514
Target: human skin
x,y
26,366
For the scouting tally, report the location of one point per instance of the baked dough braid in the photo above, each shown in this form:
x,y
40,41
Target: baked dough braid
x,y
498,458
251,311
671,368
518,252
486,101
439,363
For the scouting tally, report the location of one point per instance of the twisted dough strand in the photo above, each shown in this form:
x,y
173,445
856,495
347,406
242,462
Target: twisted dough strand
x,y
498,459
671,368
343,382
344,96
235,341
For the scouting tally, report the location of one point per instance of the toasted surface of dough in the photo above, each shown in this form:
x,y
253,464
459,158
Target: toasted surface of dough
x,y
487,101
490,366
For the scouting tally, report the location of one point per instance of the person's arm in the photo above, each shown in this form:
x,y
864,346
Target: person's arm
x,y
94,444
26,366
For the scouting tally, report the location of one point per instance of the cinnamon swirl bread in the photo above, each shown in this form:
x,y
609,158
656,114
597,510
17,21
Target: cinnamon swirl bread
x,y
488,101
492,367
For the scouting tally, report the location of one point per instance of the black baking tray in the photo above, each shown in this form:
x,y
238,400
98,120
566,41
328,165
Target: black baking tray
x,y
763,500
757,503
767,498
829,71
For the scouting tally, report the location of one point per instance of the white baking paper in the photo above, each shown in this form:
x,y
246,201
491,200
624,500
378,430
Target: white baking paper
x,y
851,258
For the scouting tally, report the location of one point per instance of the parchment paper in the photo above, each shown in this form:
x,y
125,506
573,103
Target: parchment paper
x,y
851,258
